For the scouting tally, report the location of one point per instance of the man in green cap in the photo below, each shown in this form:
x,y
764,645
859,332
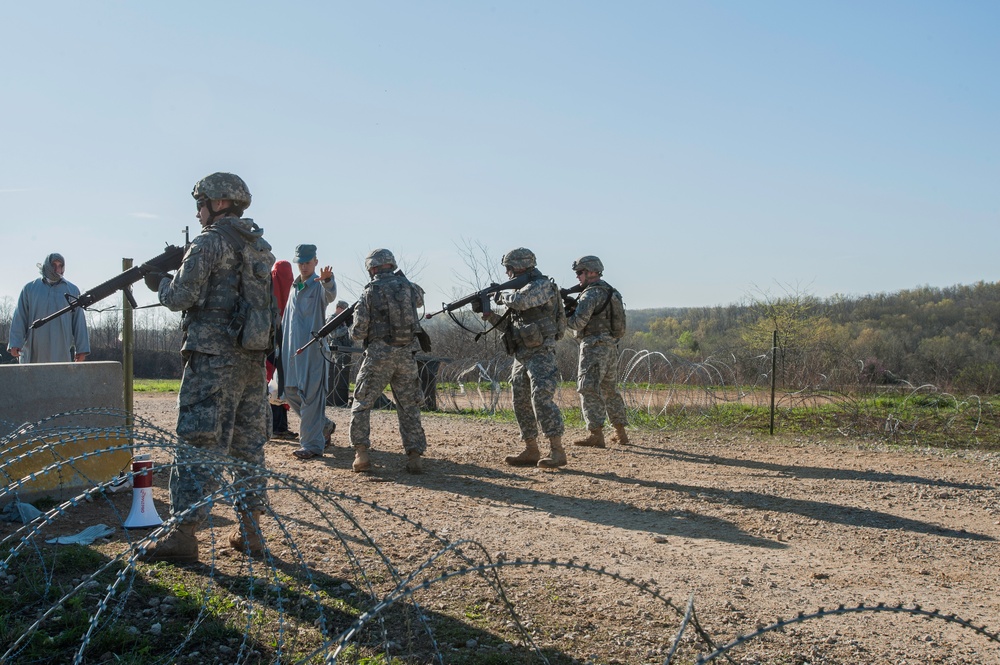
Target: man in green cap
x,y
305,373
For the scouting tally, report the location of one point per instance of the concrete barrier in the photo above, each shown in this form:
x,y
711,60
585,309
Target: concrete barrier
x,y
32,394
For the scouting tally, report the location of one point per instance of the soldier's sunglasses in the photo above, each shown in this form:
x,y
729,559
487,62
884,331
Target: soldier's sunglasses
x,y
200,203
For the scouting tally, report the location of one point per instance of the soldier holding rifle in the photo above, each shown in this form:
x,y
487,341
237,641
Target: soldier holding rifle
x,y
224,289
530,327
598,322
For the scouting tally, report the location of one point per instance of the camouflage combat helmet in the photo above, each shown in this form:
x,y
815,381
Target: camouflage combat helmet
x,y
380,257
519,259
591,263
223,186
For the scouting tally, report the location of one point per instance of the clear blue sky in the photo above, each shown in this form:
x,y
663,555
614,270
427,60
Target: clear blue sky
x,y
704,150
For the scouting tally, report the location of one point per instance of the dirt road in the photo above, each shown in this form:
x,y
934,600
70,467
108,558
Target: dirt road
x,y
752,528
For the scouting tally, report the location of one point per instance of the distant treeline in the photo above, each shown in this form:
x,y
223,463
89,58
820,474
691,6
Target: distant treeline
x,y
945,336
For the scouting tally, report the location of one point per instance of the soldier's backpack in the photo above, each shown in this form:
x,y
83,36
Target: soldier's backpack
x,y
617,315
393,305
616,312
255,313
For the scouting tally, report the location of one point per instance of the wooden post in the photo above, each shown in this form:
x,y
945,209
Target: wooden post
x,y
128,346
774,373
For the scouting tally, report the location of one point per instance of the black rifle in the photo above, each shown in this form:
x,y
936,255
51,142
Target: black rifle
x,y
347,316
570,303
483,297
171,259
344,317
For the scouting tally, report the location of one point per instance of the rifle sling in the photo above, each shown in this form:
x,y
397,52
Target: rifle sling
x,y
503,318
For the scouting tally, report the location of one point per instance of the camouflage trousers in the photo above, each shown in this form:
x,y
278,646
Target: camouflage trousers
x,y
597,382
534,380
223,411
383,364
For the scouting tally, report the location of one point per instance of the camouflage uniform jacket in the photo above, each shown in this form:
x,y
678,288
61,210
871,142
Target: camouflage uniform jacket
x,y
206,286
533,318
593,312
387,310
341,336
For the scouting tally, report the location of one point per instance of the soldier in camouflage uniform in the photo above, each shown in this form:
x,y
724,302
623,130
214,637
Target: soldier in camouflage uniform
x,y
530,330
340,368
222,401
598,372
386,322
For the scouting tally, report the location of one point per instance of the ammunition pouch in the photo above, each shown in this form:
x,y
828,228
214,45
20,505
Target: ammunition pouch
x,y
530,335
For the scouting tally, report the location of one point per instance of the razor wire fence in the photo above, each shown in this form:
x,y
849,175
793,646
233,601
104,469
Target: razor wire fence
x,y
345,579
664,391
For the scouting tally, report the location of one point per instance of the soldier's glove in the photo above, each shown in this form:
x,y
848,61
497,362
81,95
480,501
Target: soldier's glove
x,y
498,297
570,309
477,306
153,280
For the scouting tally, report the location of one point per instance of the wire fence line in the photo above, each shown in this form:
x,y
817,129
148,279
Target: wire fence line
x,y
342,579
665,391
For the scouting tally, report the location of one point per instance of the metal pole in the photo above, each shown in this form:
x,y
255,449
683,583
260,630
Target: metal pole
x,y
128,345
774,373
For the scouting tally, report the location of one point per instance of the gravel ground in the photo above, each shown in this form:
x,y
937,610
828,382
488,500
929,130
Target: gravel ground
x,y
748,527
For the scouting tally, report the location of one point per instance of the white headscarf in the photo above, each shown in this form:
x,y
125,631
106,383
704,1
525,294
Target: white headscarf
x,y
49,273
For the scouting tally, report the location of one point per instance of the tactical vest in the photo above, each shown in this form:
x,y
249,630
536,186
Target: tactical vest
x,y
392,309
240,297
530,327
600,320
220,298
609,317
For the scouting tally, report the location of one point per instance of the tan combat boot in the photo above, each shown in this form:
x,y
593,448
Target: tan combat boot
x,y
361,460
557,455
620,435
594,440
528,457
179,546
413,463
246,537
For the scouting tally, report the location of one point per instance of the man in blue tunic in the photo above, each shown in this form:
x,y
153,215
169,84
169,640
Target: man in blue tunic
x,y
50,343
306,374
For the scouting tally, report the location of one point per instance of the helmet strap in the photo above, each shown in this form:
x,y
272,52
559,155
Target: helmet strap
x,y
213,215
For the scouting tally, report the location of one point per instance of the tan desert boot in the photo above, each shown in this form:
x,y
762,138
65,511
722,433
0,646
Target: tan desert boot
x,y
557,455
413,463
620,435
179,546
594,440
246,537
361,460
528,457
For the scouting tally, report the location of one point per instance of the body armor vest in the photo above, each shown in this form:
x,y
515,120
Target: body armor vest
x,y
220,298
600,320
392,305
545,316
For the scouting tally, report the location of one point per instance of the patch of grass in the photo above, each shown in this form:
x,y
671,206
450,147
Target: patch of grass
x,y
156,385
906,418
40,583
